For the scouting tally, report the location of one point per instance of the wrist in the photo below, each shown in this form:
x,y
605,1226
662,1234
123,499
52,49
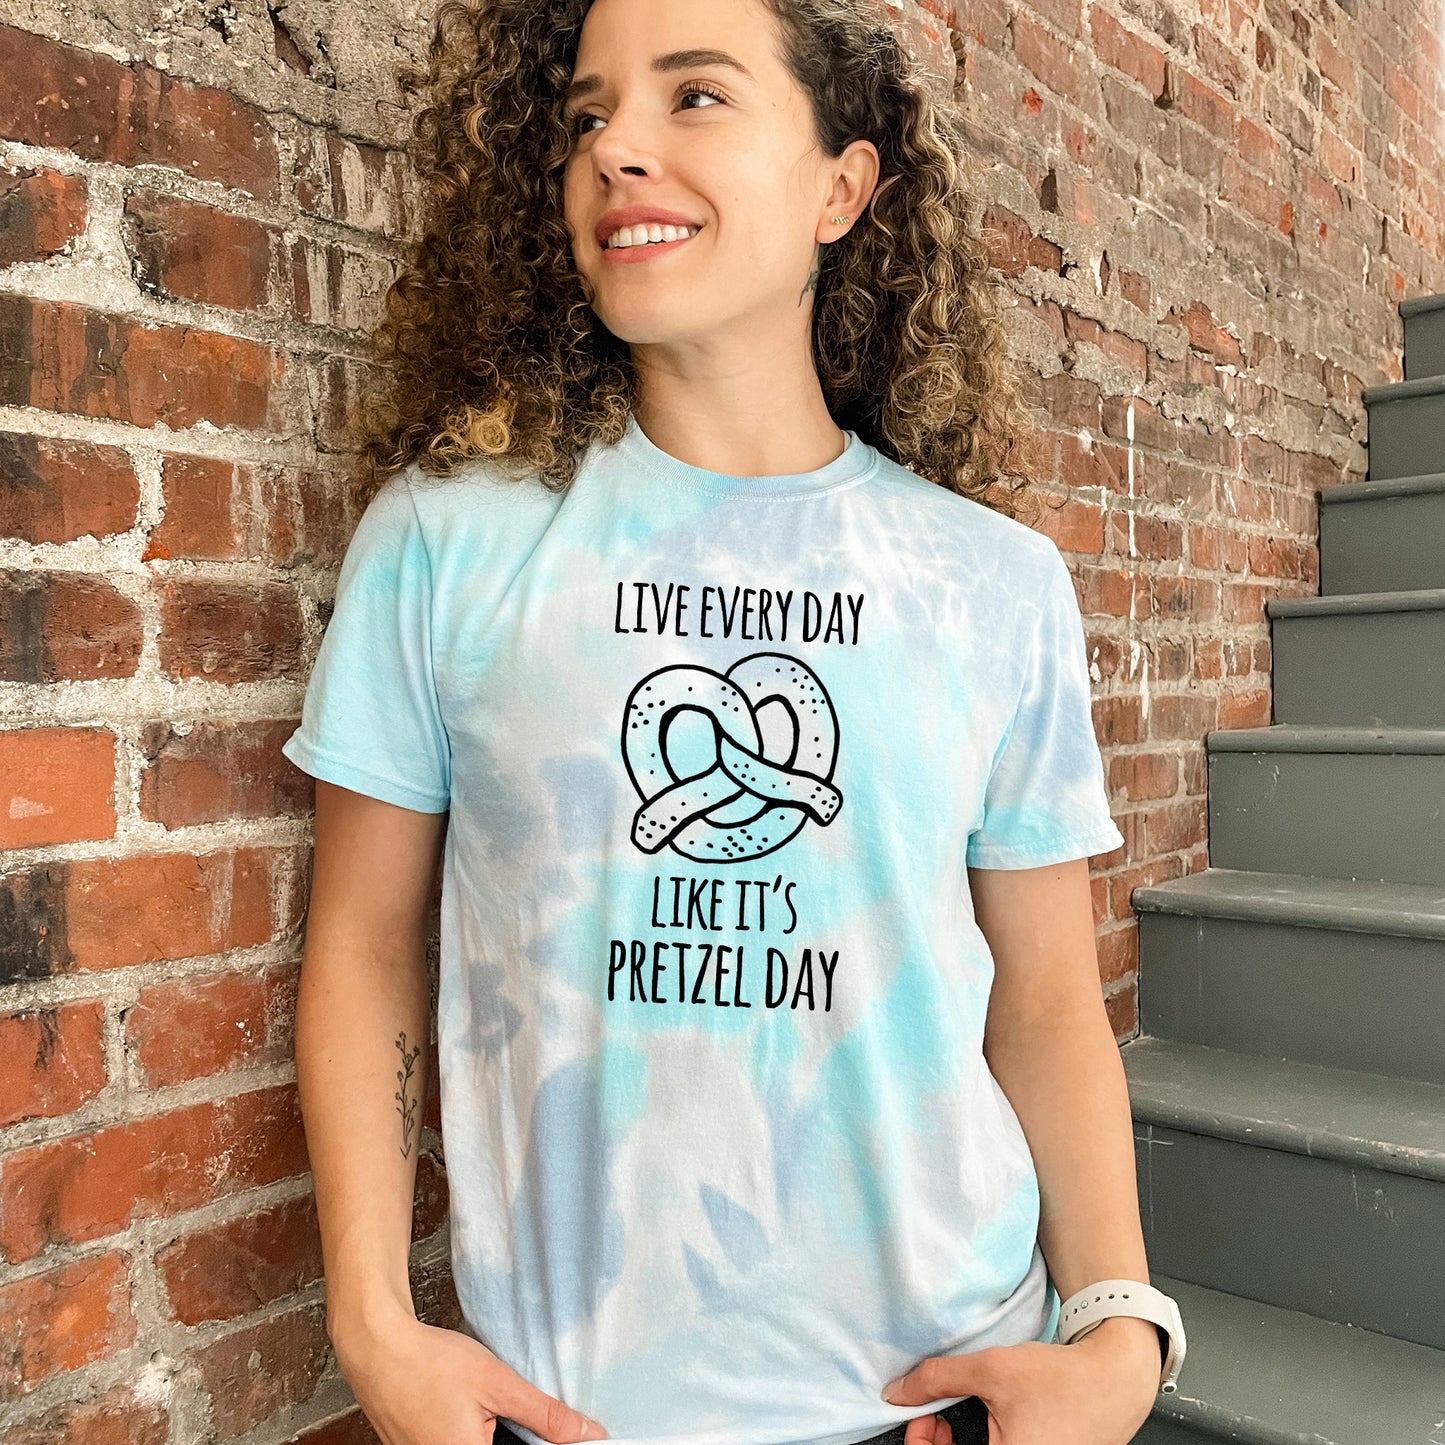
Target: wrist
x,y
355,1323
1129,1336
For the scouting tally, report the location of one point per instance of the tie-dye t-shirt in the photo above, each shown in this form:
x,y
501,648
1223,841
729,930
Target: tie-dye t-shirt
x,y
723,1150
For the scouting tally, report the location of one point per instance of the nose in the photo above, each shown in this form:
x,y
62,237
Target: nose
x,y
625,144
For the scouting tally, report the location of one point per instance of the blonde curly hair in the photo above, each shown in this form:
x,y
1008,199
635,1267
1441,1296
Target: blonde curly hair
x,y
489,348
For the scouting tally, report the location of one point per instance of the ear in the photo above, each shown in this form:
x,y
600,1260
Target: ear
x,y
855,178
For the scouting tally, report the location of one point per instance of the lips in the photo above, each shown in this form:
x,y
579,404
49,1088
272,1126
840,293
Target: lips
x,y
614,220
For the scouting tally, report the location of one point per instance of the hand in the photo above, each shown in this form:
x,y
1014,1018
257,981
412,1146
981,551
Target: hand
x,y
420,1385
1096,1391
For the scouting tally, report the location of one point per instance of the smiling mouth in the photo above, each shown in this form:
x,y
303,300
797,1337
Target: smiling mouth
x,y
650,233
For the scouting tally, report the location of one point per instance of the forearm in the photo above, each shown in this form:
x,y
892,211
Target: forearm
x,y
362,1024
1060,1068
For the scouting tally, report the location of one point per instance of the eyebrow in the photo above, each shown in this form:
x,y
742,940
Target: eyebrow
x,y
584,85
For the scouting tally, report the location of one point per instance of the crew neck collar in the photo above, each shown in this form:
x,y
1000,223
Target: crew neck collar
x,y
856,461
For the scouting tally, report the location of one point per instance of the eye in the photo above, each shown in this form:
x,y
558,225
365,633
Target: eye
x,y
698,87
575,122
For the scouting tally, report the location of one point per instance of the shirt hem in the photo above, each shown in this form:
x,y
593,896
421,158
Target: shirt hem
x,y
1054,850
319,764
733,1436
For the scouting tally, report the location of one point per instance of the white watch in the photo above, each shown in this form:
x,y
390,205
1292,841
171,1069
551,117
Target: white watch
x,y
1098,1302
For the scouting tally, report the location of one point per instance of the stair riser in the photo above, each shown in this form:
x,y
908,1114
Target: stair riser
x,y
1360,668
1377,816
1320,996
1407,435
1339,1241
1425,344
1389,544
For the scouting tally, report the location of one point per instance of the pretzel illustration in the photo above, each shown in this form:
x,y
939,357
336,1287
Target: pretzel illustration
x,y
747,802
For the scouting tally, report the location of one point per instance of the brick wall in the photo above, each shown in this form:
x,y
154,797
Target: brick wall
x,y
1208,219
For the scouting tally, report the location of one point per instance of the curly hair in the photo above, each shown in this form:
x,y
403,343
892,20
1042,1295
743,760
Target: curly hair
x,y
488,347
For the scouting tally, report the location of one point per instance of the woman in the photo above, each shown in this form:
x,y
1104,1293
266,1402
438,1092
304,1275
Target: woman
x,y
696,603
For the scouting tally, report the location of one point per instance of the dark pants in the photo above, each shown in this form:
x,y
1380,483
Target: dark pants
x,y
969,1419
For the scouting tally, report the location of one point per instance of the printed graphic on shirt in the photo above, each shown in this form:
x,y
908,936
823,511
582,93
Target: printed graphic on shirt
x,y
767,775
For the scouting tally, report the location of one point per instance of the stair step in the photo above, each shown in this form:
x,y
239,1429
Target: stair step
x,y
1327,971
1424,318
1406,426
1369,659
1262,1375
1310,1188
1346,1115
1382,535
1339,802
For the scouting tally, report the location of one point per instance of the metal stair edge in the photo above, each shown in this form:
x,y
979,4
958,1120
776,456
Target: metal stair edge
x,y
1387,391
1418,305
1264,1375
1325,738
1376,488
1413,599
1373,1120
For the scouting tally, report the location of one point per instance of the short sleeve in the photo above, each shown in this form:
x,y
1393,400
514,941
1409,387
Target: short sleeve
x,y
1045,800
371,720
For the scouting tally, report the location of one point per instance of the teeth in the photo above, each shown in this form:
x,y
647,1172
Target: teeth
x,y
641,235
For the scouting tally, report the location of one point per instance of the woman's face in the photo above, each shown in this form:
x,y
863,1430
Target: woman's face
x,y
682,114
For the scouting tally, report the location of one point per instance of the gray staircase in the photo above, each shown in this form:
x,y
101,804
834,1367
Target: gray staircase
x,y
1288,1083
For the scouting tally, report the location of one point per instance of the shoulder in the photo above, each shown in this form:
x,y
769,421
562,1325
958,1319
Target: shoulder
x,y
1013,552
479,503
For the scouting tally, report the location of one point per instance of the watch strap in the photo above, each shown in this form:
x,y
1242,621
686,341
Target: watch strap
x,y
1091,1306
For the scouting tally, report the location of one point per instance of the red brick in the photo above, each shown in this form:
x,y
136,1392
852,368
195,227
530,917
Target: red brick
x,y
56,491
1144,775
195,1028
52,1060
73,99
186,249
41,213
1135,289
230,631
124,911
57,785
1127,52
62,1320
58,625
62,358
253,1373
221,510
115,1417
233,1268
1063,67
1012,246
1139,534
1218,60
221,770
1201,103
69,1191
1197,321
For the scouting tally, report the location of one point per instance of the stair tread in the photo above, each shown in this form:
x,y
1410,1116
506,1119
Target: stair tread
x,y
1256,1372
1403,599
1344,1114
1304,900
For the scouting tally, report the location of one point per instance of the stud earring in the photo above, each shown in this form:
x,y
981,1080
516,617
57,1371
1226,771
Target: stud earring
x,y
840,220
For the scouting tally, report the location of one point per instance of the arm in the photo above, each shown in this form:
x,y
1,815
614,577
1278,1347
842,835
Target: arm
x,y
1049,1043
363,989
